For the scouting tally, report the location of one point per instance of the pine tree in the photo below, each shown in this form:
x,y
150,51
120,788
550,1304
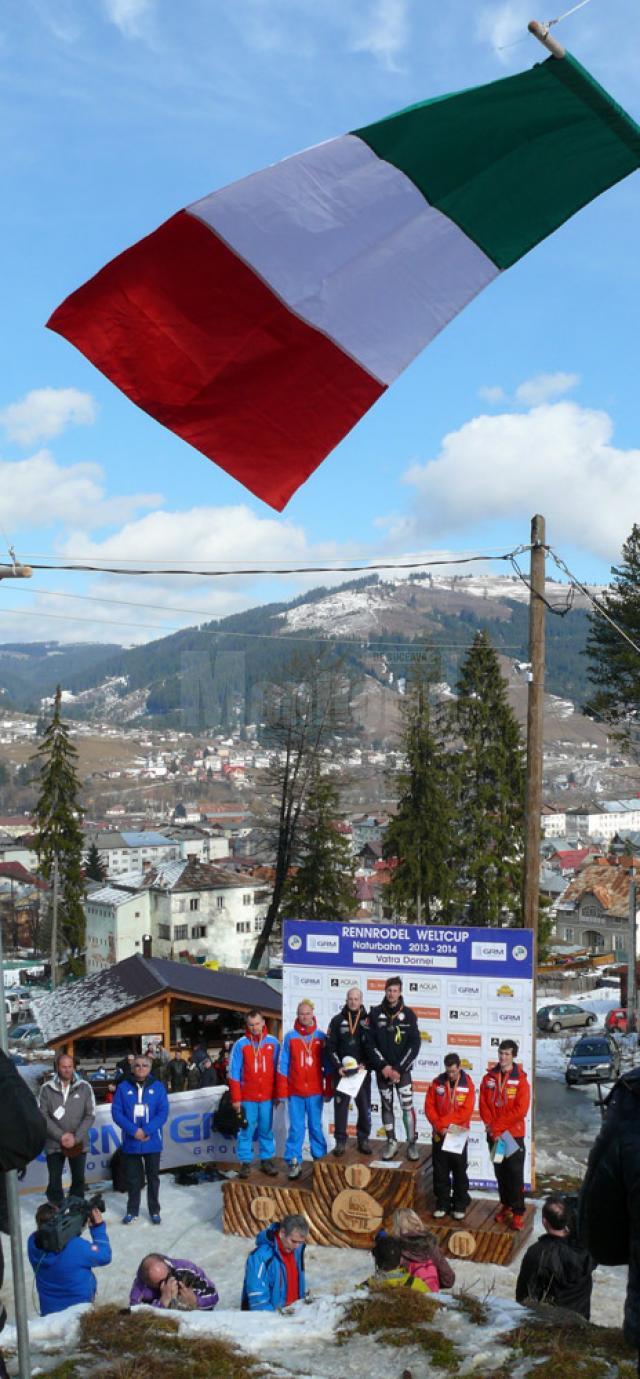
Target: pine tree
x,y
323,886
95,869
490,791
614,666
59,838
419,835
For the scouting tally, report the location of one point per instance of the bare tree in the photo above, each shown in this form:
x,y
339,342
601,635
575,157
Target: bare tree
x,y
303,717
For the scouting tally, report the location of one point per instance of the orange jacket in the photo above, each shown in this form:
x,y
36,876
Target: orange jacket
x,y
445,1105
504,1100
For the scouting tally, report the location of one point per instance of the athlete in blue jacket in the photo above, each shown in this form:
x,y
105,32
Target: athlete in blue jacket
x,y
274,1272
65,1277
140,1107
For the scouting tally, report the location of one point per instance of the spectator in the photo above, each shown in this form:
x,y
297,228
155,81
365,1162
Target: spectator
x,y
208,1074
221,1063
505,1096
420,1252
252,1082
140,1107
65,1277
175,1283
389,1270
274,1272
200,1052
609,1203
395,1042
348,1037
300,1083
177,1073
23,1135
124,1066
68,1106
557,1269
449,1102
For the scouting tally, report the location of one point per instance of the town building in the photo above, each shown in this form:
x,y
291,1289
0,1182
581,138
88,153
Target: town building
x,y
187,908
121,851
593,912
602,819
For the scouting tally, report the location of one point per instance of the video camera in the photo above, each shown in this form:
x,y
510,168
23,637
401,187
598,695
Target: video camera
x,y
68,1222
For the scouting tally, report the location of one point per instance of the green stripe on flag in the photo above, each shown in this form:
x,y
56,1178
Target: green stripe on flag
x,y
511,161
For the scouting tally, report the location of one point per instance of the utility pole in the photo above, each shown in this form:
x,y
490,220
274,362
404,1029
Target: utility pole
x,y
535,708
15,571
54,927
15,1227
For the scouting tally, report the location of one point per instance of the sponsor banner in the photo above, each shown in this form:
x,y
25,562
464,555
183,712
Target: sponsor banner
x,y
188,1138
470,989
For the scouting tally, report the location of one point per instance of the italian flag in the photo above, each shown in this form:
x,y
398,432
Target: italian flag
x,y
261,322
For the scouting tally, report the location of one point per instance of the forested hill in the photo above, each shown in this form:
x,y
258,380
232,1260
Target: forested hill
x,y
370,623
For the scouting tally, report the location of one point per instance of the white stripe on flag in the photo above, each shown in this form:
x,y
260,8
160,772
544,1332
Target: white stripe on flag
x,y
350,244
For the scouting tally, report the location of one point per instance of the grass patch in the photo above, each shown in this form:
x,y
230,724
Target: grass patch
x,y
116,1344
474,1308
562,1347
400,1317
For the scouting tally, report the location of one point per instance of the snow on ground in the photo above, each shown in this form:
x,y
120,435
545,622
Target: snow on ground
x,y
304,1338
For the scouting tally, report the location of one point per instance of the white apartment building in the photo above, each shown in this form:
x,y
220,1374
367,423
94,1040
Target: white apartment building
x,y
124,852
553,821
603,819
188,908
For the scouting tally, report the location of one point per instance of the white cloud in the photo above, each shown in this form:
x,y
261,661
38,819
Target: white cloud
x,y
38,492
387,33
504,25
557,459
492,395
209,535
127,15
45,412
545,387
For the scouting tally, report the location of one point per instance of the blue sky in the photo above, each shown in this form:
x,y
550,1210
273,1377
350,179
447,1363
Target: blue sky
x,y
115,113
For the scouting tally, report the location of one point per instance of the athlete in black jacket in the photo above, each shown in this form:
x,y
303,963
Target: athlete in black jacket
x,y
395,1044
557,1269
348,1037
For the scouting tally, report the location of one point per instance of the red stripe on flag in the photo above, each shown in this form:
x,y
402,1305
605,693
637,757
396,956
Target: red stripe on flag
x,y
195,339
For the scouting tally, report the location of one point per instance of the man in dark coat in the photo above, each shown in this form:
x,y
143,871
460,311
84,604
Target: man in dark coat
x,y
395,1045
609,1203
348,1037
557,1269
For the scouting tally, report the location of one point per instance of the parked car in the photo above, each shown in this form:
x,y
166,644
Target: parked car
x,y
19,1031
594,1056
564,1016
617,1020
32,1038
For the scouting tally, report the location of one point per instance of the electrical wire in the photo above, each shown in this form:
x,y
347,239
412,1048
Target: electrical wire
x,y
80,568
577,584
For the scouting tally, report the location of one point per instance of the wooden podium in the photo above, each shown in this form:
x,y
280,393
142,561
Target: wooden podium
x,y
347,1200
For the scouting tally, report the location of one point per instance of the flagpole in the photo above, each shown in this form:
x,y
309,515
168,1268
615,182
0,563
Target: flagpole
x,y
541,32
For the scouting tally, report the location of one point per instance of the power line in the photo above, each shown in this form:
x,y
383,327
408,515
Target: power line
x,y
282,570
561,564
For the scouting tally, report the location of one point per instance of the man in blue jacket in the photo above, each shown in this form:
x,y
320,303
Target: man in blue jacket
x,y
65,1277
274,1272
140,1107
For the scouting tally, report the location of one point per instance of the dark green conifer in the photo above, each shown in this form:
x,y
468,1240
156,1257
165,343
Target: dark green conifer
x,y
322,886
57,815
614,665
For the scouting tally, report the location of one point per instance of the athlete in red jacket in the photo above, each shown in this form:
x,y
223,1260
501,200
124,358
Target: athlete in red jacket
x,y
252,1077
505,1097
450,1101
301,1081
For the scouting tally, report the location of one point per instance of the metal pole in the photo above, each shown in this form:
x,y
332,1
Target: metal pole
x,y
15,1228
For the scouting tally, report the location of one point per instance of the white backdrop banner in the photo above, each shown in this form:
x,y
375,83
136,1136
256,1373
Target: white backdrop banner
x,y
470,988
189,1138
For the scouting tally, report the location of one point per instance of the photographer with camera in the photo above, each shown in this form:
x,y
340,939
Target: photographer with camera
x,y
174,1283
62,1261
68,1106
